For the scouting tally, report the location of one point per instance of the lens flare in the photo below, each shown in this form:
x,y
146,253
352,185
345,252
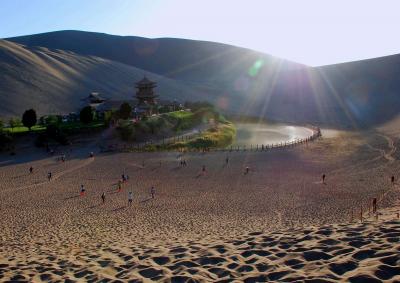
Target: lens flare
x,y
253,71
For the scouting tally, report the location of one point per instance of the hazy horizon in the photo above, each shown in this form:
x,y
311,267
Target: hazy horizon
x,y
310,32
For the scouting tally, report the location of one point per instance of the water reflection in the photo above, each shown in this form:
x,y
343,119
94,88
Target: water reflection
x,y
255,133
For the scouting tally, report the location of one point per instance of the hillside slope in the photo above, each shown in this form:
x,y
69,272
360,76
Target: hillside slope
x,y
55,81
191,60
355,94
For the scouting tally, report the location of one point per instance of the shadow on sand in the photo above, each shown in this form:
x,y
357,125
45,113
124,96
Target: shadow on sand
x,y
71,197
93,206
119,208
145,200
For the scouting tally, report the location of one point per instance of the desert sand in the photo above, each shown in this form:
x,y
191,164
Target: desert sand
x,y
279,222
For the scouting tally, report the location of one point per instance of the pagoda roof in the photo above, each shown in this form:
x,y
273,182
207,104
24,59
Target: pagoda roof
x,y
94,96
145,81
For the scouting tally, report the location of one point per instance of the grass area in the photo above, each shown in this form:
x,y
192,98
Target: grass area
x,y
22,129
79,125
182,120
63,126
220,136
180,114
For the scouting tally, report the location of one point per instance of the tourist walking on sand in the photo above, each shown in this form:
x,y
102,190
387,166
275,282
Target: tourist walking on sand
x,y
152,191
203,169
91,154
130,198
323,178
119,185
49,176
226,160
247,170
103,197
392,179
83,190
30,170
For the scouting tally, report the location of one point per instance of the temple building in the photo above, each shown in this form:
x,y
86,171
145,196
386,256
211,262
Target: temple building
x,y
97,102
94,100
146,98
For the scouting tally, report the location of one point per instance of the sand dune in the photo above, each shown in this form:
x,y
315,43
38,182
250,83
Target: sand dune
x,y
55,81
277,223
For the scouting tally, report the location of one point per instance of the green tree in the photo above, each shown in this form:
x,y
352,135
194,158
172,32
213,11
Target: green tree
x,y
86,115
5,140
154,124
14,122
125,110
29,118
108,116
52,120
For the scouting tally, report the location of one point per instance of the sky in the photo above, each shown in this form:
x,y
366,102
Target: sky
x,y
312,32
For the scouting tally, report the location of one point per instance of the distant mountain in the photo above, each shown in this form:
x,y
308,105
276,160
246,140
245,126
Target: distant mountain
x,y
54,67
191,60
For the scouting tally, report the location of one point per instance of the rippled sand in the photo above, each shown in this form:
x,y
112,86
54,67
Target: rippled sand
x,y
278,222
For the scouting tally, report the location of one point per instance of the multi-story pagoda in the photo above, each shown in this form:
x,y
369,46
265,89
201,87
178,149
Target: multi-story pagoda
x,y
146,98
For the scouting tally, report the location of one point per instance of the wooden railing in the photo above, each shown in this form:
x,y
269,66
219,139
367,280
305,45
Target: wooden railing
x,y
144,146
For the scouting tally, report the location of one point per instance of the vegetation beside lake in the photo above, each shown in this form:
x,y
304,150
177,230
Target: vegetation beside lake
x,y
213,129
219,136
200,123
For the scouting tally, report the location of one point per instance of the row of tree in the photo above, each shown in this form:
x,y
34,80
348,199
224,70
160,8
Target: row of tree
x,y
29,120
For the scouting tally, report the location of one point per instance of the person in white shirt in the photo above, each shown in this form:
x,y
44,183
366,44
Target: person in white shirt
x,y
130,198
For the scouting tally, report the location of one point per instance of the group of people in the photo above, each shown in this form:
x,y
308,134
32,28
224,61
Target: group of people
x,y
182,162
124,178
119,186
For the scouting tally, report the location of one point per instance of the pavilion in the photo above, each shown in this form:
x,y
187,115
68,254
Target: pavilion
x,y
146,98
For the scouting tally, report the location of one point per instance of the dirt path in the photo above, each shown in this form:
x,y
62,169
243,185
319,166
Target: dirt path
x,y
392,149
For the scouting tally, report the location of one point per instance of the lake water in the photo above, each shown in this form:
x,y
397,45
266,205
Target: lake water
x,y
254,133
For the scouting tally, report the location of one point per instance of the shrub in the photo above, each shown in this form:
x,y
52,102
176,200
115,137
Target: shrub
x,y
53,132
52,120
126,131
202,142
125,110
194,106
86,115
108,116
5,140
14,122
